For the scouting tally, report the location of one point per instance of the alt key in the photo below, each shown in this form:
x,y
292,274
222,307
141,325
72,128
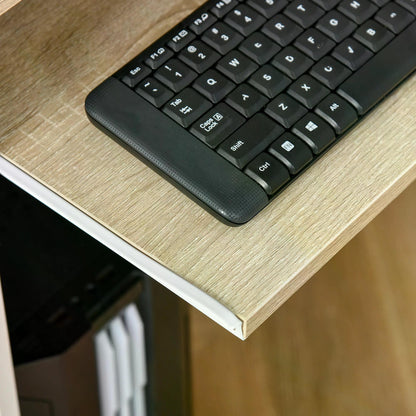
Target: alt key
x,y
268,172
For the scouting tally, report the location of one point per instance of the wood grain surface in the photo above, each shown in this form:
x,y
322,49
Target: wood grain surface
x,y
345,344
45,75
7,4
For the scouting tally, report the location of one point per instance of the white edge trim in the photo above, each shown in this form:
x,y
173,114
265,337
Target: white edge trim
x,y
181,287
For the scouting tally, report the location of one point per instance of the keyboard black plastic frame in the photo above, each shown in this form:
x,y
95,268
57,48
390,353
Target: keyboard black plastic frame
x,y
237,214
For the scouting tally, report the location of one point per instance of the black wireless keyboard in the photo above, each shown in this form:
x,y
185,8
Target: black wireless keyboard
x,y
241,97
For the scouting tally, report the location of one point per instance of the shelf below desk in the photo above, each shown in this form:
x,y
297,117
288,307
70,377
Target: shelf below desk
x,y
251,270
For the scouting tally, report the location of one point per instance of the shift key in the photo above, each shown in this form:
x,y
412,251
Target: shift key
x,y
249,140
217,124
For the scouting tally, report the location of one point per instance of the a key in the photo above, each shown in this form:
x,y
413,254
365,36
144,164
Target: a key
x,y
217,124
330,72
292,152
246,100
181,39
222,7
154,92
236,66
373,35
370,83
175,75
326,4
308,91
213,85
135,72
268,8
199,56
281,29
158,57
259,48
286,110
315,132
222,38
292,62
268,172
394,17
380,3
336,26
202,22
314,44
357,10
269,81
244,19
186,107
337,112
352,54
249,140
304,12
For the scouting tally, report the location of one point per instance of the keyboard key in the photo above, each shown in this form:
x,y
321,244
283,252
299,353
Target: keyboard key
x,y
244,19
158,57
373,35
222,7
380,3
330,72
249,140
292,62
308,91
336,26
175,75
281,29
199,56
202,22
269,81
154,92
134,73
222,38
315,132
357,10
186,107
337,112
217,124
394,17
259,48
327,4
370,84
181,39
408,4
246,100
236,66
268,172
292,152
268,8
352,54
314,44
213,85
304,12
286,110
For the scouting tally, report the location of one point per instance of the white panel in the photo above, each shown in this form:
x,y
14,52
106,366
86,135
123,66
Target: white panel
x,y
135,329
121,345
107,376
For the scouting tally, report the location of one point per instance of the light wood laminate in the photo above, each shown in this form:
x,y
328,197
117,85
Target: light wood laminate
x,y
252,269
7,4
343,345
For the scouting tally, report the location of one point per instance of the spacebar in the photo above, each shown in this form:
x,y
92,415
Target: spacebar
x,y
382,73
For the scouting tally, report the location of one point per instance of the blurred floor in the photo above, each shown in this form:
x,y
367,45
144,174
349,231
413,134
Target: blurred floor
x,y
345,344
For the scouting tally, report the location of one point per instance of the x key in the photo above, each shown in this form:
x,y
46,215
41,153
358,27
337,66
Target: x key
x,y
308,91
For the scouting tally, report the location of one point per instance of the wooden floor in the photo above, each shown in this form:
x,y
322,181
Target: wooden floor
x,y
345,344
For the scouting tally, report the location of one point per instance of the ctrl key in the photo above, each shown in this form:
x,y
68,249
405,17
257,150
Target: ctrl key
x,y
268,172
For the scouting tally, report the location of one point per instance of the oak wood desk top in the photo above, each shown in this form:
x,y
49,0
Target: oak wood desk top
x,y
54,53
